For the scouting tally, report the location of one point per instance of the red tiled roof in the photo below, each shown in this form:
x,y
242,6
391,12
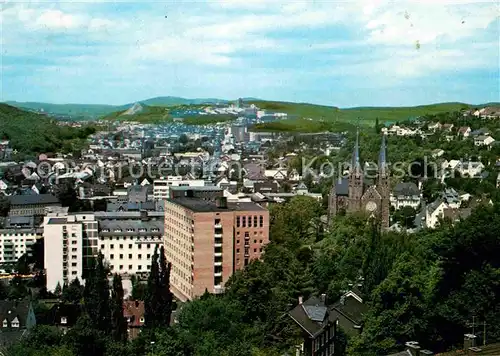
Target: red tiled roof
x,y
133,311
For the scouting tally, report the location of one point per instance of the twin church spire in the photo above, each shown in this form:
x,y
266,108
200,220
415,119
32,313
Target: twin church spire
x,y
382,157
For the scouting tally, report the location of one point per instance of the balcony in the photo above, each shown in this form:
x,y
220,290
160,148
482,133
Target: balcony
x,y
217,263
218,226
218,244
218,236
218,274
218,254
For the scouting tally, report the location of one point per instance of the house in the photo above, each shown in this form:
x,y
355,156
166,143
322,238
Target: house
x,y
490,112
470,169
34,204
480,132
433,126
406,194
434,213
62,315
447,127
483,140
464,132
438,152
133,312
17,318
276,174
320,322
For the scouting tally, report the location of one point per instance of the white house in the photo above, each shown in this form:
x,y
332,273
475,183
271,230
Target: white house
x,y
483,141
405,194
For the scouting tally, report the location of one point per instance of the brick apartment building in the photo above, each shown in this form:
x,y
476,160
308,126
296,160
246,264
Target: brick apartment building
x,y
206,241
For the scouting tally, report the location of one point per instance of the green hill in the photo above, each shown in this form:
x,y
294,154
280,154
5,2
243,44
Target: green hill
x,y
32,133
148,115
314,118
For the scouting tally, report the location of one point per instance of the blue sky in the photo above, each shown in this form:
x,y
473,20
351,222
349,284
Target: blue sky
x,y
350,53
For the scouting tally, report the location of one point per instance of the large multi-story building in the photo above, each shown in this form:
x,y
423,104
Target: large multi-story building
x,y
63,237
126,239
207,241
15,242
35,204
161,187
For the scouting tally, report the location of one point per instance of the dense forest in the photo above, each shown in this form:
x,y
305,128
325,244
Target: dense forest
x,y
31,133
425,286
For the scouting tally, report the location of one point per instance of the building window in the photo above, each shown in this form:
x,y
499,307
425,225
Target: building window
x,y
129,267
247,234
255,221
15,323
121,246
73,264
130,246
148,256
121,267
139,267
244,221
64,320
111,256
249,221
237,250
148,246
130,256
139,256
139,246
261,221
111,246
121,257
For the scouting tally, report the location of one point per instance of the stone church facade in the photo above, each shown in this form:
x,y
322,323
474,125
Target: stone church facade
x,y
356,193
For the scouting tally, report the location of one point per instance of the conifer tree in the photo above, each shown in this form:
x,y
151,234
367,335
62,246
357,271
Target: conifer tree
x,y
165,296
151,299
118,323
96,296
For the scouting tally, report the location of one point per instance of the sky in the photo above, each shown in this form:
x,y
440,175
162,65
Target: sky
x,y
339,53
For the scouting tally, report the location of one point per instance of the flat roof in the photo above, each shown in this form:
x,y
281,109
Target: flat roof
x,y
204,206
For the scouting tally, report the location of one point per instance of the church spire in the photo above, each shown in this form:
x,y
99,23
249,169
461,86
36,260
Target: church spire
x,y
355,155
382,159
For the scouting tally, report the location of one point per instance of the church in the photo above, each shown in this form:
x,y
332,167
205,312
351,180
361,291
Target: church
x,y
356,193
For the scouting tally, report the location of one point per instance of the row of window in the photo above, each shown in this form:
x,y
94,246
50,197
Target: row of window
x,y
130,267
243,221
141,229
130,246
130,256
14,324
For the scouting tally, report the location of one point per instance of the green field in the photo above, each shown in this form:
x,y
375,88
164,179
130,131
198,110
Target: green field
x,y
326,118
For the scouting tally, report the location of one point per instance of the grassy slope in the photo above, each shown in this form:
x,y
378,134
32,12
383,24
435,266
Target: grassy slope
x,y
149,115
159,114
326,117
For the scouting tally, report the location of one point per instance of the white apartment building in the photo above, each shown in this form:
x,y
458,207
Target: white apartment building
x,y
161,187
63,249
14,243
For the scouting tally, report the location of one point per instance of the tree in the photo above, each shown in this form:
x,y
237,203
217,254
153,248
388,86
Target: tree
x,y
138,288
151,301
4,205
58,290
165,296
73,293
96,296
158,303
119,325
183,139
406,216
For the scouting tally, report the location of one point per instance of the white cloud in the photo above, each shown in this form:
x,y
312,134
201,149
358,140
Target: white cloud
x,y
56,19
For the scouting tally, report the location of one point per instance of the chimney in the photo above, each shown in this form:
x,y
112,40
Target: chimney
x,y
469,341
413,348
221,203
300,300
